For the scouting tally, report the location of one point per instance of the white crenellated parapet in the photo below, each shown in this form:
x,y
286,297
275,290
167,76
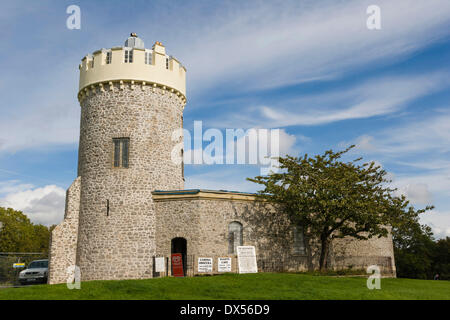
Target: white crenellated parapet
x,y
151,68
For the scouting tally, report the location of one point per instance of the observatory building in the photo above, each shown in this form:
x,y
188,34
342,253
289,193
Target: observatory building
x,y
128,204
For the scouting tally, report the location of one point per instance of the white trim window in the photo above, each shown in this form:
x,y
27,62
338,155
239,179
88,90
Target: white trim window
x,y
148,57
128,56
108,57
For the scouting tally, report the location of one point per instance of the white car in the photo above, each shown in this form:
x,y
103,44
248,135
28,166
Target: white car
x,y
37,272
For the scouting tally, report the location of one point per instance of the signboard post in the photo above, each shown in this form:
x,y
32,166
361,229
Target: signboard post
x,y
247,259
205,264
159,264
177,265
224,264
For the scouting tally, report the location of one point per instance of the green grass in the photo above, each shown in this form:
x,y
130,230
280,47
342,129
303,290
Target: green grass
x,y
233,286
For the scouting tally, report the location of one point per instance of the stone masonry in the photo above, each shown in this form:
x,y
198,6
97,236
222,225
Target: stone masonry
x,y
115,219
64,237
204,222
121,244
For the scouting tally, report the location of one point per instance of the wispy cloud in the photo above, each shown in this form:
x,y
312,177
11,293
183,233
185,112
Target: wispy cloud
x,y
425,136
419,150
234,46
43,205
279,43
223,178
375,97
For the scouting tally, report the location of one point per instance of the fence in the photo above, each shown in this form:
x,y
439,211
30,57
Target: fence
x,y
280,263
360,262
284,263
188,266
9,276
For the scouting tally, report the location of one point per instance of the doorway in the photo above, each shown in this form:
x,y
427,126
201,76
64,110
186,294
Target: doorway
x,y
179,245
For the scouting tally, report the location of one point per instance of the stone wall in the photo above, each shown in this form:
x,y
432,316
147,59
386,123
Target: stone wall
x,y
63,242
120,243
349,252
204,224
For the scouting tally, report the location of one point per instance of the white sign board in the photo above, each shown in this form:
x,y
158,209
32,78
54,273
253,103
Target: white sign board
x,y
224,264
205,264
247,259
160,265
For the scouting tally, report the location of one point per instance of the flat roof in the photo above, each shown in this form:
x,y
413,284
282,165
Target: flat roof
x,y
159,195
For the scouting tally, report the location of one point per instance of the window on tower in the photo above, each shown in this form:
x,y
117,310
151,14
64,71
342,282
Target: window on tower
x,y
167,63
148,58
128,56
121,152
108,57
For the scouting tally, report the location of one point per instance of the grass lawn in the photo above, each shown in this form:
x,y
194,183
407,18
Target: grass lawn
x,y
281,286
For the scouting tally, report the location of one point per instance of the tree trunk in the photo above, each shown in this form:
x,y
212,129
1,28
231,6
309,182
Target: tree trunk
x,y
325,242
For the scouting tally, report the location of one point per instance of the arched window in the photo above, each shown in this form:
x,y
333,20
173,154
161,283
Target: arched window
x,y
234,236
299,240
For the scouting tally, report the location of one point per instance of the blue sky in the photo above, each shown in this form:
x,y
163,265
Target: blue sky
x,y
310,68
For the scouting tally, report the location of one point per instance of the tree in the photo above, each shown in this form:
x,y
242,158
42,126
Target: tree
x,y
414,249
19,234
441,258
335,199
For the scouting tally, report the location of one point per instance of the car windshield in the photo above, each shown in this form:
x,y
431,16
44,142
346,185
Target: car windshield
x,y
38,264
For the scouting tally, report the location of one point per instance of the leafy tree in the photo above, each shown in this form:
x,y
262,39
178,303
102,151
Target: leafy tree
x,y
335,199
19,234
414,249
441,258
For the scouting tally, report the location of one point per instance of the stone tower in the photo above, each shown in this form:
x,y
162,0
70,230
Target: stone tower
x,y
132,100
128,205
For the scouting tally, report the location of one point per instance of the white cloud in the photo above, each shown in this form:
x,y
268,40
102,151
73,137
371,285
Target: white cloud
x,y
42,205
13,186
364,142
431,134
281,144
287,143
417,193
376,97
47,124
247,45
436,182
278,43
425,177
223,178
439,221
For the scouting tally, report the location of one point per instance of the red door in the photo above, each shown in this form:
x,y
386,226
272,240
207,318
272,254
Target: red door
x,y
177,265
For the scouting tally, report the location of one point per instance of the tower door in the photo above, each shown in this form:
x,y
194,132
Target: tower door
x,y
179,245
